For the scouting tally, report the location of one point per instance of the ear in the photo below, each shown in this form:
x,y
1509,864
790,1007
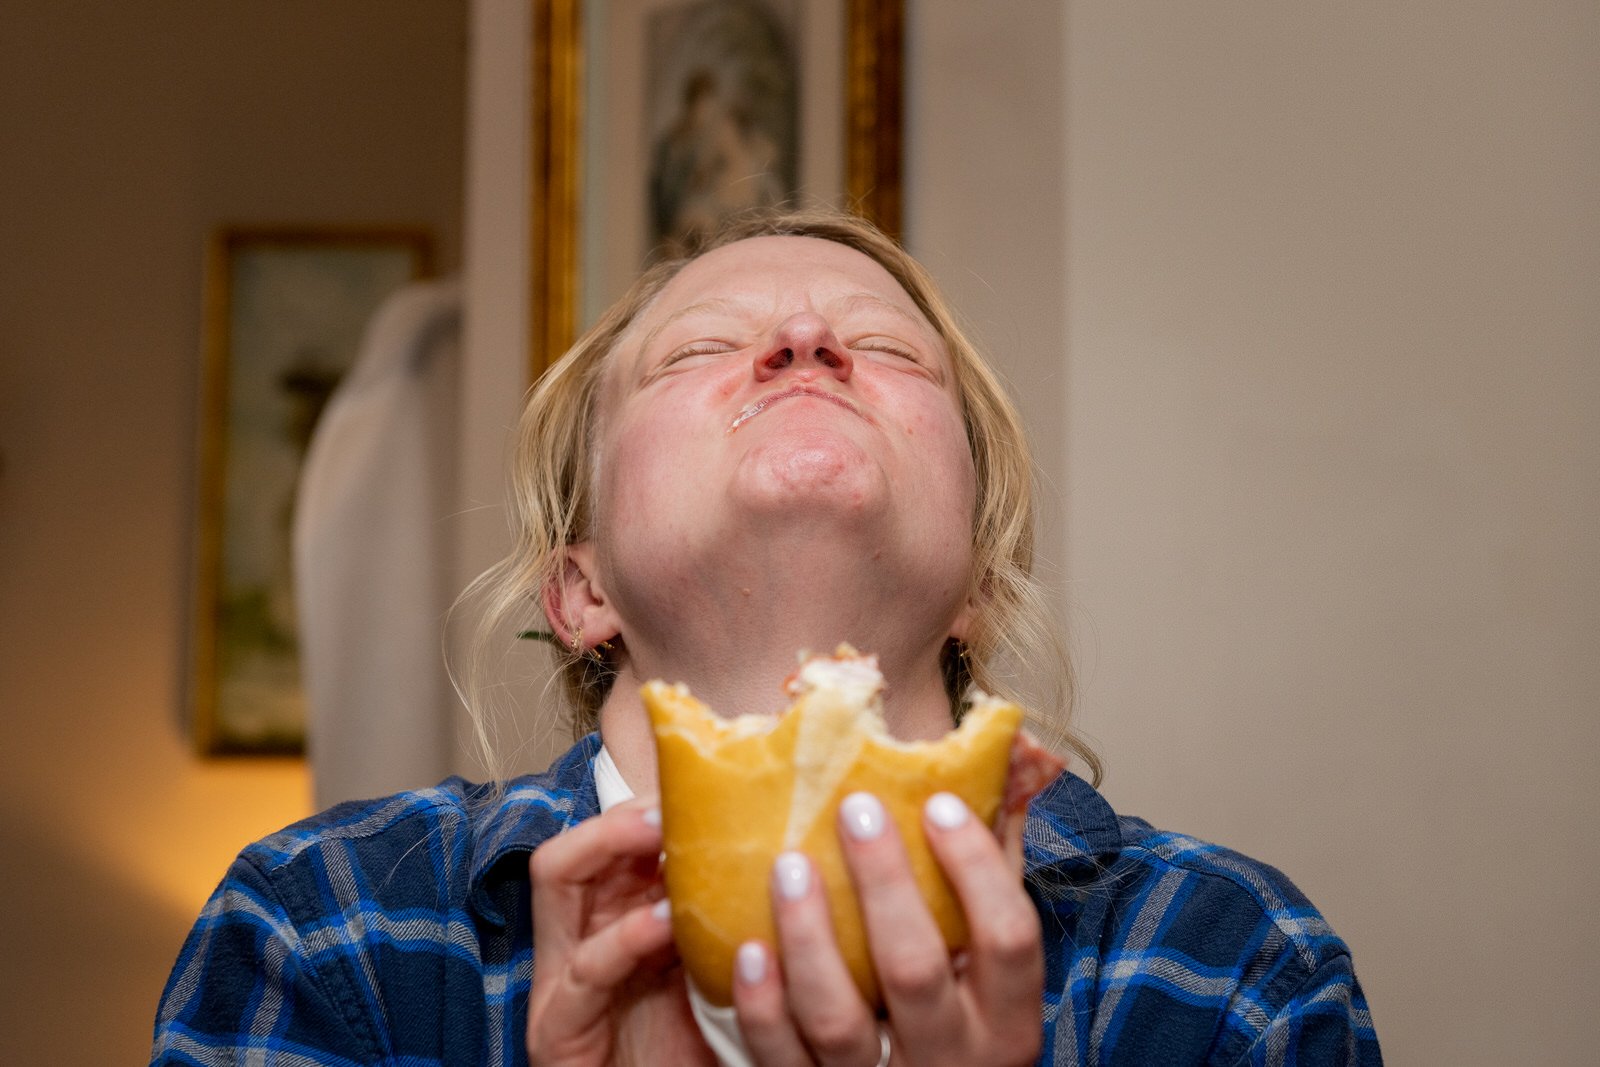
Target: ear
x,y
961,625
977,597
576,605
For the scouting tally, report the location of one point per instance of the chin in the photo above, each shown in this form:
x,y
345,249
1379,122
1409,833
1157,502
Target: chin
x,y
812,471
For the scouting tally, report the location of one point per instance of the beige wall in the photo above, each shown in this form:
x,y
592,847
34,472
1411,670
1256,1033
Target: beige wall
x,y
129,130
1333,475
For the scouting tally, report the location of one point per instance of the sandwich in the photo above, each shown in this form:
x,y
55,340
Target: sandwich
x,y
736,792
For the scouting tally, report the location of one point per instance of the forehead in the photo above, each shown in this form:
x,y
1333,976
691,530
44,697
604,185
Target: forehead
x,y
783,273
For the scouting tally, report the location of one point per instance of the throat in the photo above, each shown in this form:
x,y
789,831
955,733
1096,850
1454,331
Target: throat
x,y
736,623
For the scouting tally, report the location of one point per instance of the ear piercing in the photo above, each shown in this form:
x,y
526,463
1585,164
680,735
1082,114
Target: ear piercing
x,y
596,653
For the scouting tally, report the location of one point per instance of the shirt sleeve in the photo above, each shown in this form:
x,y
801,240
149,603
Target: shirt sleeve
x,y
245,988
1326,1021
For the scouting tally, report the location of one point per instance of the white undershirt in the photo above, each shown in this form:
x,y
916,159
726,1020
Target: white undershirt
x,y
720,1026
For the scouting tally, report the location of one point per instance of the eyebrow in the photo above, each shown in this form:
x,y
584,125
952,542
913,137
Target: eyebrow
x,y
714,304
873,300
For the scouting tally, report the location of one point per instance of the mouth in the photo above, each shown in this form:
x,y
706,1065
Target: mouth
x,y
767,401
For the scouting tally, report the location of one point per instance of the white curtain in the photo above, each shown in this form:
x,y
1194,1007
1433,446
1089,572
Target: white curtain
x,y
372,555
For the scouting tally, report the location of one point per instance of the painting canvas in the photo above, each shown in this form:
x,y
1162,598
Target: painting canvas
x,y
286,312
656,120
722,115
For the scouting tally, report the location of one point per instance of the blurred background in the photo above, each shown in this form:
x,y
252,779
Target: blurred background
x,y
1299,304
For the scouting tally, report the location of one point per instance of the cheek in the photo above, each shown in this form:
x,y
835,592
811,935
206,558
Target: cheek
x,y
648,458
630,462
938,433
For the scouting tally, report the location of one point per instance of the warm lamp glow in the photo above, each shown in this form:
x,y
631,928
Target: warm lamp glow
x,y
176,843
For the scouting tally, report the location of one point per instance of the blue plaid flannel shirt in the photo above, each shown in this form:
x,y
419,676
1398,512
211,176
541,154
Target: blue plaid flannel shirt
x,y
397,931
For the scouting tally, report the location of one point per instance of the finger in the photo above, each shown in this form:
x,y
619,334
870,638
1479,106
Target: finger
x,y
626,831
908,951
833,1020
1009,831
764,1020
565,869
575,996
1005,954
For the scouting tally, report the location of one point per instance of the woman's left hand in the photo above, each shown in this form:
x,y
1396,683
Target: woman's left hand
x,y
982,1007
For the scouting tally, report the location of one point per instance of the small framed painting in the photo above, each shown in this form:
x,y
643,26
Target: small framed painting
x,y
285,310
655,120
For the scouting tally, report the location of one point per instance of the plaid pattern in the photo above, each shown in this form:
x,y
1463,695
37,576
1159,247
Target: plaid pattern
x,y
397,932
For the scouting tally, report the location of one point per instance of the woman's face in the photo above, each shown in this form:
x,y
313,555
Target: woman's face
x,y
775,381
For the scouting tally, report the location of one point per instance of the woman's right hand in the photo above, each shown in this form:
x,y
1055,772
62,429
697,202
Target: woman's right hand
x,y
607,985
980,1007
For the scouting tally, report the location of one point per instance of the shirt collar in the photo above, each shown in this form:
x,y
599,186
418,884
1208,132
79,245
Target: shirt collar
x,y
1071,831
609,784
525,814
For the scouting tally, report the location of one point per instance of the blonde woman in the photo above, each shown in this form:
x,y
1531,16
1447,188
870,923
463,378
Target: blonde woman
x,y
780,443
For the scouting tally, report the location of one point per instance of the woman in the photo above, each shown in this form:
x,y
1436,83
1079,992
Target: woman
x,y
780,444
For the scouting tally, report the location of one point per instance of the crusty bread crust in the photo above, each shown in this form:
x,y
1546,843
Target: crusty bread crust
x,y
737,792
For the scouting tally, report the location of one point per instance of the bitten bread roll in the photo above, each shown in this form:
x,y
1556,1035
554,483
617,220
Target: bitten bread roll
x,y
737,792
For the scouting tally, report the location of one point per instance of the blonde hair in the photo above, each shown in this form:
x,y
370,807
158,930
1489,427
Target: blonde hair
x,y
552,482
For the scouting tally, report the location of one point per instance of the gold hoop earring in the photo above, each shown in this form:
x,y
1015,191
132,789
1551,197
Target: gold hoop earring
x,y
597,653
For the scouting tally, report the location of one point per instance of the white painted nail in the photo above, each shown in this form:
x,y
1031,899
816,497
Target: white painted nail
x,y
863,816
662,909
752,962
652,816
792,873
946,811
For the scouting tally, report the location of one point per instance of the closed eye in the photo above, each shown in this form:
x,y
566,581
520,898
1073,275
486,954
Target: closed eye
x,y
695,348
887,346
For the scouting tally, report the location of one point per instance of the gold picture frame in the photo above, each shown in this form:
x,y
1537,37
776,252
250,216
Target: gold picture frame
x,y
284,311
850,52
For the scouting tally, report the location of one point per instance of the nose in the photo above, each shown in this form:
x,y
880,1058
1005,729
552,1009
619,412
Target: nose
x,y
804,340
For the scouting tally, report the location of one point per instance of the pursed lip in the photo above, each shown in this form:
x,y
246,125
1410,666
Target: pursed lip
x,y
752,410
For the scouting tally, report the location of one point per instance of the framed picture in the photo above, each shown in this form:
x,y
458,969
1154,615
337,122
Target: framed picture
x,y
284,314
653,120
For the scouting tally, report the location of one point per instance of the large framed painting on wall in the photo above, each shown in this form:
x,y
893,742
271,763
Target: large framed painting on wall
x,y
285,309
655,119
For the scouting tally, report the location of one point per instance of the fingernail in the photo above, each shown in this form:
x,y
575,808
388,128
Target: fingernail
x,y
652,816
792,875
752,962
946,811
863,816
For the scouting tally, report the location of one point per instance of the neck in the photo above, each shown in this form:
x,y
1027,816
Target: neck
x,y
734,636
